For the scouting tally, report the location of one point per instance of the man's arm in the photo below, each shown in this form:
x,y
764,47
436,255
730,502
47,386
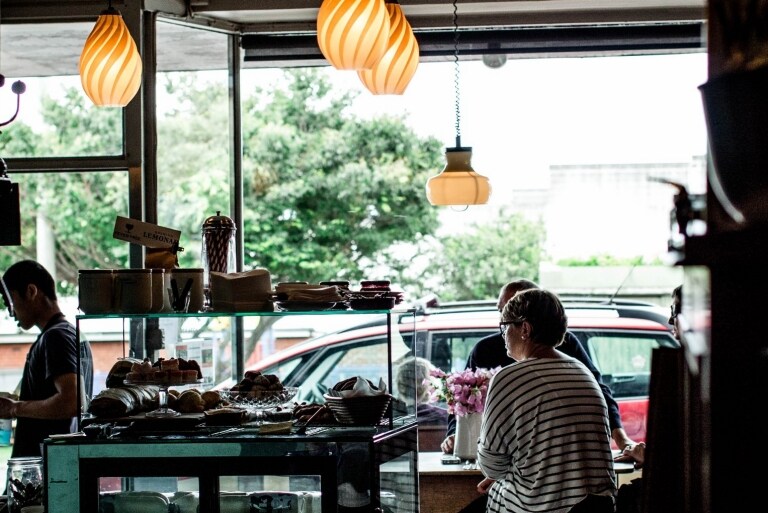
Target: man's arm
x,y
61,405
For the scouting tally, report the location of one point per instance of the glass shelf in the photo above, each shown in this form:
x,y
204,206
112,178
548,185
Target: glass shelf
x,y
184,315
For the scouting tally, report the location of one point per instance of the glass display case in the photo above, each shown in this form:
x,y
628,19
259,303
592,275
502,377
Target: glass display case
x,y
189,466
240,471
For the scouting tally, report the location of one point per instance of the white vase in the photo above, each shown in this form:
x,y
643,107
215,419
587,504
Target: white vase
x,y
467,433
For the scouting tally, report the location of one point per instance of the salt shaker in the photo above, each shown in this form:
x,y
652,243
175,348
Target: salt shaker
x,y
218,252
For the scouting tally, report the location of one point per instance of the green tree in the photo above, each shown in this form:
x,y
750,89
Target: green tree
x,y
474,264
325,189
81,206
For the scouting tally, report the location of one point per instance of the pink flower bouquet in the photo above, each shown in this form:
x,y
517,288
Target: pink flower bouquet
x,y
464,391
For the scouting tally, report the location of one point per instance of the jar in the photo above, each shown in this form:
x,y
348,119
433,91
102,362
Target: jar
x,y
25,483
132,291
95,290
218,251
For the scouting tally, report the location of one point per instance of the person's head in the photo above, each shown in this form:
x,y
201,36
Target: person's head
x,y
674,310
509,290
32,292
412,373
534,315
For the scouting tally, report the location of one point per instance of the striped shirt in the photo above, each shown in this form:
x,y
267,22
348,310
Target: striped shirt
x,y
545,437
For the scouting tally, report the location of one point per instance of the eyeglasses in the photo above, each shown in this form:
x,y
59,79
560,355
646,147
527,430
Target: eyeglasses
x,y
503,326
7,298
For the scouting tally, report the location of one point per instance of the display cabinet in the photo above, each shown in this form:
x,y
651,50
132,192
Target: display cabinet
x,y
329,469
194,467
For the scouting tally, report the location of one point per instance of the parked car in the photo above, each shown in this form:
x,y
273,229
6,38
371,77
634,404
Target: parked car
x,y
618,335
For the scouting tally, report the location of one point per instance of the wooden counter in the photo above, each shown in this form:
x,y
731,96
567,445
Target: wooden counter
x,y
450,488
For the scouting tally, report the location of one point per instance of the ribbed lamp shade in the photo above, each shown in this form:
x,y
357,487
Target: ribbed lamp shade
x,y
394,71
110,65
353,34
458,184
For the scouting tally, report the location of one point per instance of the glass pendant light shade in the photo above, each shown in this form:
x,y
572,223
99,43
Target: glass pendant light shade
x,y
458,184
353,34
110,64
394,71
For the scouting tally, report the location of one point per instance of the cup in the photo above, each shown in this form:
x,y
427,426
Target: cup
x,y
95,290
133,291
188,276
6,429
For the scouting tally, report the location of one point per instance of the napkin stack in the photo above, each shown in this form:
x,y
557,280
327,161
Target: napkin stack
x,y
249,291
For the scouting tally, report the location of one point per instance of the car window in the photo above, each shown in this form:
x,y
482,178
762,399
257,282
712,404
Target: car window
x,y
325,368
624,360
449,350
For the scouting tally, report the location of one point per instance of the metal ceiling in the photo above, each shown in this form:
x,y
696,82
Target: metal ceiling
x,y
45,38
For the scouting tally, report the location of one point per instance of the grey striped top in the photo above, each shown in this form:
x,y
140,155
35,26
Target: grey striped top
x,y
545,437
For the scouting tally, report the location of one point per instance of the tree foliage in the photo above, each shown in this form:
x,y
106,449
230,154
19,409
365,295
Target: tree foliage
x,y
328,194
80,207
325,189
475,263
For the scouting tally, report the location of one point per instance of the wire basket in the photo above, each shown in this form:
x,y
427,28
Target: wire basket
x,y
359,411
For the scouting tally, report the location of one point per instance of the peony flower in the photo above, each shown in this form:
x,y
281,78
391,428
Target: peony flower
x,y
464,392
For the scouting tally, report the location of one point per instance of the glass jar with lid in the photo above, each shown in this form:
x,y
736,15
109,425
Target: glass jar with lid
x,y
25,483
218,251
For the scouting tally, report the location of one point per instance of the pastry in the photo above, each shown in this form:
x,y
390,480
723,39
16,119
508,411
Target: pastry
x,y
190,401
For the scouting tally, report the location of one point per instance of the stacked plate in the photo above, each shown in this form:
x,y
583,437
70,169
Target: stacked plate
x,y
304,297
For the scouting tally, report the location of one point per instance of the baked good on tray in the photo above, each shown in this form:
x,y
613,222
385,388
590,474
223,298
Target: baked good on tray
x,y
172,371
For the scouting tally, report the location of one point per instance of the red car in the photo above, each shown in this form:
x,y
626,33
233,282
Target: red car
x,y
619,336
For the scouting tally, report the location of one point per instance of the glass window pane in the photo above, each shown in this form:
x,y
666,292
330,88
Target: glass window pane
x,y
193,150
56,118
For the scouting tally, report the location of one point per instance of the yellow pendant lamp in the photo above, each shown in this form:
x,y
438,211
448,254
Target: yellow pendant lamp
x,y
110,64
353,34
458,184
396,68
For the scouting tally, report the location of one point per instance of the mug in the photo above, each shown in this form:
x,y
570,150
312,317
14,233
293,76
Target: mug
x,y
180,277
133,291
95,290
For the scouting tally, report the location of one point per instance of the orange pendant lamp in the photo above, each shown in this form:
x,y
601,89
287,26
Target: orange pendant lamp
x,y
353,34
458,184
394,71
110,64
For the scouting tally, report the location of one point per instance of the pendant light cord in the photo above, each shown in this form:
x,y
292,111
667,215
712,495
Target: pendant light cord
x,y
456,73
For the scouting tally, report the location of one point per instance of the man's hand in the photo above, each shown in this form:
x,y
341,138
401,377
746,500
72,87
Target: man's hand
x,y
447,445
7,408
635,452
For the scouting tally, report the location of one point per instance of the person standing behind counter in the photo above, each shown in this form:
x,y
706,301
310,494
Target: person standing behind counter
x,y
490,352
48,397
545,440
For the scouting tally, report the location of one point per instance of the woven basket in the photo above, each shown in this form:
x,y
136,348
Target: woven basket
x,y
359,411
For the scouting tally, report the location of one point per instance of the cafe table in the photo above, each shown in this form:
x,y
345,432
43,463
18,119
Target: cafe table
x,y
449,488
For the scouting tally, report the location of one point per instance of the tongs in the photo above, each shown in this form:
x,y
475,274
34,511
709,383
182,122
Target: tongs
x,y
303,429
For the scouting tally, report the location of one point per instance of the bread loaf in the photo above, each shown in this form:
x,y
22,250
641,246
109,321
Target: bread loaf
x,y
122,401
119,370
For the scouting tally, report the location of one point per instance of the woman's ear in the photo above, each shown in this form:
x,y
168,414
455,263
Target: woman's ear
x,y
526,329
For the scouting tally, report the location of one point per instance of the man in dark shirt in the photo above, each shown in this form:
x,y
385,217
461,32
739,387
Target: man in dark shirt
x,y
490,352
48,399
